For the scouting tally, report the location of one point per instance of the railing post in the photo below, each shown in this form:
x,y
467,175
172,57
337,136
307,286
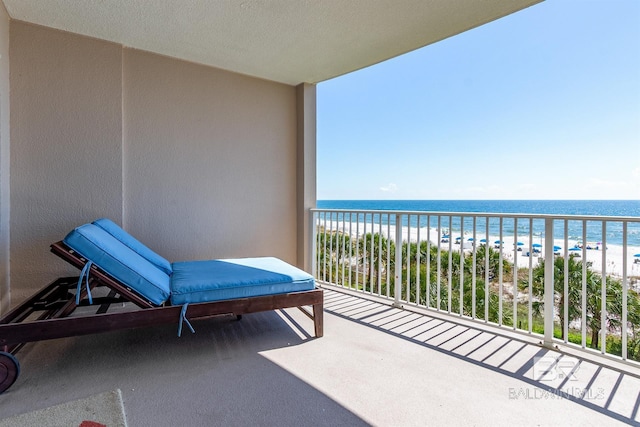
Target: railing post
x,y
313,232
549,303
398,269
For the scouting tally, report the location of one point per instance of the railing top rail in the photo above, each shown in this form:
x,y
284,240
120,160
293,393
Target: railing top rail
x,y
485,214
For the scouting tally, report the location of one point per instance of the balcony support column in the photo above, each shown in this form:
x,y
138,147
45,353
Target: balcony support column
x,y
305,173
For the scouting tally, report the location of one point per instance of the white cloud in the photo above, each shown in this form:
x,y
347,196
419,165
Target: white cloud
x,y
608,184
476,189
389,188
597,188
527,187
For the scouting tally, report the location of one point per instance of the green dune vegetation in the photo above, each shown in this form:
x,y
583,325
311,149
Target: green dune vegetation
x,y
462,284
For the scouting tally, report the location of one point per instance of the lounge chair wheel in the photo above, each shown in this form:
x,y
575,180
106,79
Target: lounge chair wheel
x,y
9,370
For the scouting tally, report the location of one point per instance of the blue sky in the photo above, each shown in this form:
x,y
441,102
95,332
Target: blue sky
x,y
542,104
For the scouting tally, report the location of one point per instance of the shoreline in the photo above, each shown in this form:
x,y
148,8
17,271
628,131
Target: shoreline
x,y
611,258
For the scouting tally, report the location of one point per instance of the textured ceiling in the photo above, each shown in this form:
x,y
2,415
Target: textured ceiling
x,y
288,41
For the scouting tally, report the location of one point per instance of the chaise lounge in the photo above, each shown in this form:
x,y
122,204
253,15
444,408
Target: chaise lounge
x,y
125,270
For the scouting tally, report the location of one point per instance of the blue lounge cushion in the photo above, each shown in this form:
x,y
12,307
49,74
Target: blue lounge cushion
x,y
134,244
120,261
127,260
202,281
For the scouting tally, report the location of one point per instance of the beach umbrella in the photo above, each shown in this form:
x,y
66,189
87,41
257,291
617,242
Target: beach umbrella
x,y
556,248
497,242
520,244
637,255
470,239
575,249
483,240
537,245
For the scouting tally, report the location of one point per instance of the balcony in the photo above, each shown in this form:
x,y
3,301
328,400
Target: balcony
x,y
393,353
376,365
104,126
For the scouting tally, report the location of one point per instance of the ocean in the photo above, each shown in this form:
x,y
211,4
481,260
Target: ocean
x,y
622,208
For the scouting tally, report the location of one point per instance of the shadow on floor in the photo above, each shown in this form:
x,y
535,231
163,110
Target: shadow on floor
x,y
550,374
214,377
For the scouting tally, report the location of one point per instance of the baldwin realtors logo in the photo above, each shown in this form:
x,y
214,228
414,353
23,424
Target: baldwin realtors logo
x,y
557,376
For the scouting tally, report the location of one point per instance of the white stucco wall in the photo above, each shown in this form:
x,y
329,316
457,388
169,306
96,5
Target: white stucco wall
x,y
66,138
196,162
210,160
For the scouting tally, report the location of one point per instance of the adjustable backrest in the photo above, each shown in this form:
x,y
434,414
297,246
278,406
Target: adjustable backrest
x,y
120,261
134,244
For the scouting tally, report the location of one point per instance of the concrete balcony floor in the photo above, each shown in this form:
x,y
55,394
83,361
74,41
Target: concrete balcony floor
x,y
376,365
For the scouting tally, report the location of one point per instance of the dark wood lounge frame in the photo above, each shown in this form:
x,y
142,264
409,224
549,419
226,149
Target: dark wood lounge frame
x,y
47,314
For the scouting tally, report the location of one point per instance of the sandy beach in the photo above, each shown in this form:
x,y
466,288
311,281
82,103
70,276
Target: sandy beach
x,y
612,258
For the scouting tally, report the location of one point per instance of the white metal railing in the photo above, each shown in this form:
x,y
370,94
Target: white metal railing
x,y
569,279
